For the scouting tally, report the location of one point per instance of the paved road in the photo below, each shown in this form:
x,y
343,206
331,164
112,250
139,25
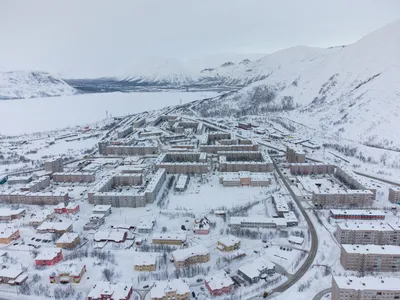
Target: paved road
x,y
314,237
322,293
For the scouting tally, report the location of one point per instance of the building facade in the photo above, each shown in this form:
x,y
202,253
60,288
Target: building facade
x,y
54,165
189,256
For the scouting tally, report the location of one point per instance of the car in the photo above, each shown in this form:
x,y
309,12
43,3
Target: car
x,y
146,286
202,288
255,251
199,280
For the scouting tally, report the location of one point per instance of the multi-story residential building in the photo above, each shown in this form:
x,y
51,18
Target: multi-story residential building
x,y
106,149
245,179
311,168
145,263
295,155
7,214
233,145
228,243
37,185
368,233
353,181
219,284
110,291
8,234
356,214
49,257
68,273
170,289
74,177
40,198
342,198
370,258
102,192
168,238
182,162
189,256
54,165
251,161
365,288
394,194
257,222
68,240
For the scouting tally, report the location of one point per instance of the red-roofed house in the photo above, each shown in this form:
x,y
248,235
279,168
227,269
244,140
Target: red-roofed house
x,y
49,257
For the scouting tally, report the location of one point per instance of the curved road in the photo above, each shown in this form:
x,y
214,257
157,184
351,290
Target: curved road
x,y
322,293
314,237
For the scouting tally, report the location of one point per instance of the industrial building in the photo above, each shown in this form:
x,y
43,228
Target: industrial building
x,y
365,288
370,258
257,222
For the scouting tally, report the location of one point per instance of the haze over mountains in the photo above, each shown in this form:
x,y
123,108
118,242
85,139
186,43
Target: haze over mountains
x,y
357,85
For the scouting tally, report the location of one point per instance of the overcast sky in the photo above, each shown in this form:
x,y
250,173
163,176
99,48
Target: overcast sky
x,y
96,38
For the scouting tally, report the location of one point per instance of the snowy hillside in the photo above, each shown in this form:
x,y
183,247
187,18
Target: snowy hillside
x,y
353,91
19,85
159,71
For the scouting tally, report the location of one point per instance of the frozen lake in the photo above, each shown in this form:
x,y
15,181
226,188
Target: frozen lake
x,y
42,114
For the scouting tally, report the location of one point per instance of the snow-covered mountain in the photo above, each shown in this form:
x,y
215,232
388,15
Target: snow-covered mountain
x,y
353,91
159,71
22,84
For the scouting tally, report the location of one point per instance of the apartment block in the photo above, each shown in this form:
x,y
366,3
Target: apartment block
x,y
74,177
182,162
353,181
244,178
394,194
250,161
228,243
342,198
189,256
8,234
365,288
295,155
370,258
54,165
145,263
368,233
357,214
37,185
311,168
103,194
40,198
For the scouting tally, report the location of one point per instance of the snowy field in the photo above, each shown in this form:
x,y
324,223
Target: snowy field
x,y
43,114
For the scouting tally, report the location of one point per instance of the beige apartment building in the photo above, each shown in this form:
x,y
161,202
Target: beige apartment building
x,y
365,288
189,256
54,165
73,177
311,168
370,258
182,162
364,233
295,155
394,194
342,198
